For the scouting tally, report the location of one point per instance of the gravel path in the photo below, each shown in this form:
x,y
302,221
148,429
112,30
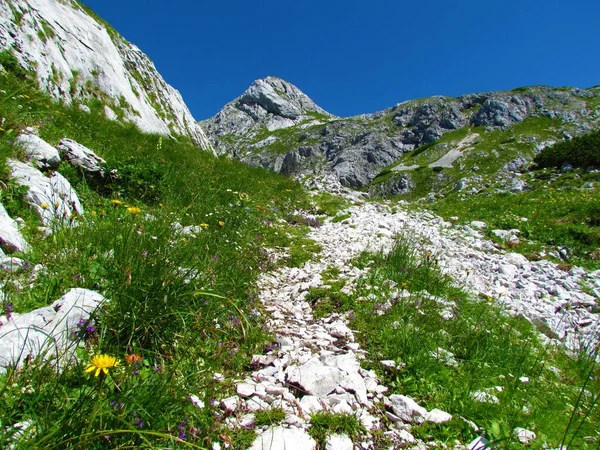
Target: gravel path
x,y
317,364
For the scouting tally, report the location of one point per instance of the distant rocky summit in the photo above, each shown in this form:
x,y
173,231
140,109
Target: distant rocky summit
x,y
78,58
274,124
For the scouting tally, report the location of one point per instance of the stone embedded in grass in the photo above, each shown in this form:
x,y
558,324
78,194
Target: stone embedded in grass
x,y
230,404
437,416
11,239
13,265
484,397
39,151
52,198
407,409
46,332
82,157
524,436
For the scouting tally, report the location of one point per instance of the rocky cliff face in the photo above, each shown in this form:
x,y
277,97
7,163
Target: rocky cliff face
x,y
78,58
275,125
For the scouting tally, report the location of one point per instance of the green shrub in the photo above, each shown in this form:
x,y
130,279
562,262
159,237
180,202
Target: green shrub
x,y
581,151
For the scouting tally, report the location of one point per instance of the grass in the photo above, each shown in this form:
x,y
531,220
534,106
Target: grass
x,y
449,346
185,305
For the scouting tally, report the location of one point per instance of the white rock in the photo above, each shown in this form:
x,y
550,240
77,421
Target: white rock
x,y
11,239
437,416
196,401
478,224
338,442
484,397
82,157
406,437
39,151
507,269
47,331
279,438
310,404
12,265
245,390
314,378
52,197
524,436
407,409
516,259
230,404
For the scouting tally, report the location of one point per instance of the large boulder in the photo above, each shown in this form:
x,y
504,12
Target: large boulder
x,y
42,154
46,332
52,197
83,158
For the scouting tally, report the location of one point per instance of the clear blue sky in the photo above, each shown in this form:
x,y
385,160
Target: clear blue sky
x,y
359,56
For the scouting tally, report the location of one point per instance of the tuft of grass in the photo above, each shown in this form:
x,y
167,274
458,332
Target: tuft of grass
x,y
269,417
323,424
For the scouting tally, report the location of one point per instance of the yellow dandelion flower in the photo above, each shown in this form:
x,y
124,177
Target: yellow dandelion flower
x,y
204,225
44,206
221,223
116,202
93,213
101,363
133,210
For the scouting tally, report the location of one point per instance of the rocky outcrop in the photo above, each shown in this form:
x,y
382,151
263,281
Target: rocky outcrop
x,y
77,58
275,125
268,104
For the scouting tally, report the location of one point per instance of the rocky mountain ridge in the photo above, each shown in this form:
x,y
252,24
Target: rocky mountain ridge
x,y
357,149
77,58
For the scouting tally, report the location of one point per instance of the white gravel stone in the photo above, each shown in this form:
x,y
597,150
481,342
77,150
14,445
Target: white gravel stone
x,y
407,409
524,436
279,438
338,442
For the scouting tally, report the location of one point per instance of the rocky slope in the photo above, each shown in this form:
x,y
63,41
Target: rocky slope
x,y
78,58
287,132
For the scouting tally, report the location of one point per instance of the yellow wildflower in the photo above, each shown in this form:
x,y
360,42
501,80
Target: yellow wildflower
x,y
44,206
221,223
204,225
101,363
133,210
244,196
116,202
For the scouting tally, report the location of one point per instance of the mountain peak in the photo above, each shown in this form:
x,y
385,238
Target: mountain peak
x,y
270,103
279,97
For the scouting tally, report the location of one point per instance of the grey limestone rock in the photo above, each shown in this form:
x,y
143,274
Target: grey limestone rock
x,y
284,439
46,332
338,442
11,239
43,155
82,157
52,197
